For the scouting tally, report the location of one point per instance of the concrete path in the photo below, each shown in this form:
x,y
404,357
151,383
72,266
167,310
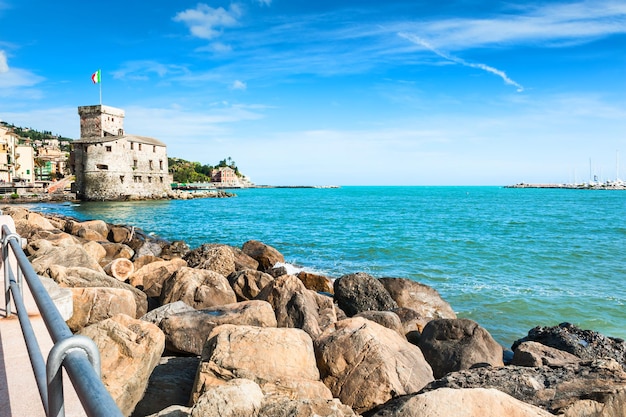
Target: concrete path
x,y
19,396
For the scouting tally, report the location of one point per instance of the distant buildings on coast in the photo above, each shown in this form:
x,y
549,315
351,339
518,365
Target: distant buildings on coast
x,y
607,185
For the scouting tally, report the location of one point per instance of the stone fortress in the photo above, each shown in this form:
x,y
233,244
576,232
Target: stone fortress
x,y
111,165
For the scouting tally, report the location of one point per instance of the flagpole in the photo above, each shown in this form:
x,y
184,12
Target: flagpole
x,y
100,73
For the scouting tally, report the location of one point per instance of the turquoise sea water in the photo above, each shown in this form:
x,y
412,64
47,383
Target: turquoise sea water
x,y
510,259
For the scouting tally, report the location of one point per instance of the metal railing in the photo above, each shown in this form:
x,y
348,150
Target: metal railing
x,y
77,354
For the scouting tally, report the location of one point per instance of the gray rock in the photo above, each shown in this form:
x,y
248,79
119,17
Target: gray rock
x,y
359,292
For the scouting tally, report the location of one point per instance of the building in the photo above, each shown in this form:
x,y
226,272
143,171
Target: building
x,y
225,177
110,165
16,160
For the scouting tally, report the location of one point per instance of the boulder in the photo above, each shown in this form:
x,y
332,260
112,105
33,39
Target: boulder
x,y
171,411
84,277
117,250
219,259
199,288
31,223
286,407
425,300
97,226
144,260
129,350
235,398
316,282
95,250
386,319
187,332
471,402
248,283
199,255
119,268
170,383
295,306
265,255
359,292
411,320
150,277
158,314
95,304
281,361
365,364
454,344
68,256
586,344
119,234
554,389
175,249
536,354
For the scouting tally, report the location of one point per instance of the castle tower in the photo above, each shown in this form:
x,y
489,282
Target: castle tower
x,y
100,121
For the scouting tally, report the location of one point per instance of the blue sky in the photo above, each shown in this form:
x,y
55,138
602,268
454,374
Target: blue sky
x,y
336,92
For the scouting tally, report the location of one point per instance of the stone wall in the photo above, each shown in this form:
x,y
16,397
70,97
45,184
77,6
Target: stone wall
x,y
99,120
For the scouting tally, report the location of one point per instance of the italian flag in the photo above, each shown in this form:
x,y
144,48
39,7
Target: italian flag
x,y
95,77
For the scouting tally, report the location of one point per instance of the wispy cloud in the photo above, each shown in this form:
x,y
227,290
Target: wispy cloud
x,y
206,22
239,85
4,66
15,78
142,70
417,40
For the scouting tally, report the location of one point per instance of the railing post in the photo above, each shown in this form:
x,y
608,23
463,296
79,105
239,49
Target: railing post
x,y
57,355
8,221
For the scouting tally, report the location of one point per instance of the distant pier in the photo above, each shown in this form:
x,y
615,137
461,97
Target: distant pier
x,y
608,185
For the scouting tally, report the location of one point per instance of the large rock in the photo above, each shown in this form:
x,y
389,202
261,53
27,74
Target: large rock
x,y
119,268
454,344
316,282
117,250
129,350
97,226
157,315
171,411
170,383
359,292
175,249
84,277
236,398
265,255
365,364
418,297
447,402
92,305
199,255
536,354
286,407
281,361
248,283
219,259
295,306
387,319
95,250
188,331
199,288
67,256
586,344
150,277
553,389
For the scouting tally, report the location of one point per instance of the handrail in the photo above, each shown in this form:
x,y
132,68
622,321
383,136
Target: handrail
x,y
78,355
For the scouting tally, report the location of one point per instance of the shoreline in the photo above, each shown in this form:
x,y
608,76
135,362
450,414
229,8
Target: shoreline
x,y
602,186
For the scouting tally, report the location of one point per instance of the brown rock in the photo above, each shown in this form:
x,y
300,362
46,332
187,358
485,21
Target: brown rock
x,y
365,364
151,276
92,305
70,256
454,344
247,283
117,250
199,288
84,277
295,306
536,354
95,250
281,361
235,398
419,297
265,255
144,260
129,350
447,402
219,259
188,331
119,234
316,282
386,319
119,268
286,407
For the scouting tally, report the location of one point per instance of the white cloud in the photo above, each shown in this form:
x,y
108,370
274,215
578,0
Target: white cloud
x,y
206,22
142,70
239,85
417,40
12,79
265,2
4,66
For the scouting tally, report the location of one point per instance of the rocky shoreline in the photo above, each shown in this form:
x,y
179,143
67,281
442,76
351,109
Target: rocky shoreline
x,y
225,331
61,197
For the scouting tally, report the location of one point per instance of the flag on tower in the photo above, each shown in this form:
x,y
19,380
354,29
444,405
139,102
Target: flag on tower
x,y
95,77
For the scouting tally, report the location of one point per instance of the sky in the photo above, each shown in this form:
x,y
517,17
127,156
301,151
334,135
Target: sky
x,y
342,92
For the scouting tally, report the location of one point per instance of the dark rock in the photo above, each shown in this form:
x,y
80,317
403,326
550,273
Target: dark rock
x,y
536,354
454,344
176,249
586,344
265,255
359,292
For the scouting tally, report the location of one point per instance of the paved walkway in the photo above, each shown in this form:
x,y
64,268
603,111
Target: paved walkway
x,y
19,396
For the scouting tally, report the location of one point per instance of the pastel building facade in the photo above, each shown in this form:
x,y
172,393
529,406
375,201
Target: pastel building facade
x,y
111,165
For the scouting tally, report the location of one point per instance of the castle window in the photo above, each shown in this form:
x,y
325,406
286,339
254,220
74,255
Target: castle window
x,y
150,164
140,146
153,148
102,166
134,163
122,179
161,180
150,179
108,149
161,165
131,146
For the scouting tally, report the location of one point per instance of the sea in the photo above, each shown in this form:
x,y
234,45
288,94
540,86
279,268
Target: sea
x,y
510,259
